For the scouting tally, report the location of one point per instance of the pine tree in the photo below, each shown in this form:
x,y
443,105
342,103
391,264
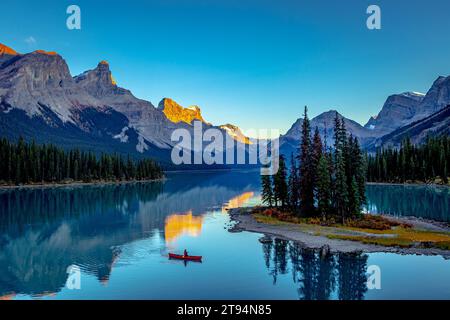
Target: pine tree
x,y
267,195
354,205
359,173
340,182
323,187
280,188
443,164
305,166
445,174
316,153
293,185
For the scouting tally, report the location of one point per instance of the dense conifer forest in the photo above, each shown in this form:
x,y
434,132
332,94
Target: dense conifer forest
x,y
29,163
428,162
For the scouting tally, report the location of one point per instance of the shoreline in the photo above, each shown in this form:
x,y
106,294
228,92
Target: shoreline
x,y
412,184
74,184
244,221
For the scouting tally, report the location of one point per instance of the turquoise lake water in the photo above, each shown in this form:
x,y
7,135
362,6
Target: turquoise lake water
x,y
119,237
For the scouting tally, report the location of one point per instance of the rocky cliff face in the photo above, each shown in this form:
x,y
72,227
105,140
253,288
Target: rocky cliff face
x,y
437,98
5,50
403,109
176,113
99,82
151,123
436,124
6,53
397,111
42,78
236,133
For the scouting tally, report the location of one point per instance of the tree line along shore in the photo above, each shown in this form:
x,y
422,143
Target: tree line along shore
x,y
25,163
426,163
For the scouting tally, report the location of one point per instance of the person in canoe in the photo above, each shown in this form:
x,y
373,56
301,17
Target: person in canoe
x,y
185,256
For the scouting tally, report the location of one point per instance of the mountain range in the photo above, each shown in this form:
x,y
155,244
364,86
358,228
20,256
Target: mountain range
x,y
41,100
409,114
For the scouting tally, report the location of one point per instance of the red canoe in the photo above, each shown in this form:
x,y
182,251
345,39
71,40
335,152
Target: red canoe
x,y
181,257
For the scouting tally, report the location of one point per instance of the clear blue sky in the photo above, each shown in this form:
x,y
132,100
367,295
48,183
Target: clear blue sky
x,y
251,63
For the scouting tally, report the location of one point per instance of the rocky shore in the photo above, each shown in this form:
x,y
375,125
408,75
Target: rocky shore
x,y
309,238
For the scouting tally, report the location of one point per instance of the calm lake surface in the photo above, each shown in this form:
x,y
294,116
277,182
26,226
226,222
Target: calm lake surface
x,y
119,237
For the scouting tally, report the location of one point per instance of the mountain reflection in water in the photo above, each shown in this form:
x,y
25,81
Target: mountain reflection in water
x,y
43,231
181,224
238,201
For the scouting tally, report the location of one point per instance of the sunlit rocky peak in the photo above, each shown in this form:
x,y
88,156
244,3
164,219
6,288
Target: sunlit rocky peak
x,y
176,113
236,133
7,50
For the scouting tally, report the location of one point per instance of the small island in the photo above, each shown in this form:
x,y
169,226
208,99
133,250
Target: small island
x,y
370,233
319,203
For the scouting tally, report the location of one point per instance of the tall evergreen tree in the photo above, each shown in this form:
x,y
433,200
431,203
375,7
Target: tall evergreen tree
x,y
316,153
323,187
360,172
280,188
354,200
293,185
340,181
267,195
305,168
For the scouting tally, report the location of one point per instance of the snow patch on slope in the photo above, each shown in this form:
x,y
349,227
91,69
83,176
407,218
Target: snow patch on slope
x,y
122,135
141,146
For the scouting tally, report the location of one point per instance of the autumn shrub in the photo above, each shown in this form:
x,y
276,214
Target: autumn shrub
x,y
375,223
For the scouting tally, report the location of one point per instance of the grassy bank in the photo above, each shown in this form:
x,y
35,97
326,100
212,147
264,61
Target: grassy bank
x,y
368,229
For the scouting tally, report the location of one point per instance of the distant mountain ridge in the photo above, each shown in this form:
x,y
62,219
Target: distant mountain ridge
x,y
434,125
289,143
398,112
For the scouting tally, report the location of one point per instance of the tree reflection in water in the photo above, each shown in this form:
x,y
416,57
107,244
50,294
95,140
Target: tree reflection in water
x,y
320,275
